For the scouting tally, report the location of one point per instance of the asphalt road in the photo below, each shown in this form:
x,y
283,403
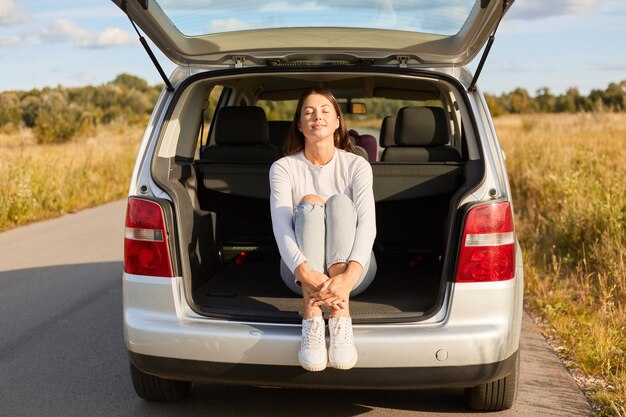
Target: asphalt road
x,y
62,350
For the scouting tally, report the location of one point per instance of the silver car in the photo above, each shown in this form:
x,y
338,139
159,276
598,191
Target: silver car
x,y
203,297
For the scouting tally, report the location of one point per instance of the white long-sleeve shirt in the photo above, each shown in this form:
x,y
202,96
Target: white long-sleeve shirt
x,y
292,177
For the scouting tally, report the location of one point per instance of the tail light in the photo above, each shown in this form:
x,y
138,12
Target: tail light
x,y
145,241
488,245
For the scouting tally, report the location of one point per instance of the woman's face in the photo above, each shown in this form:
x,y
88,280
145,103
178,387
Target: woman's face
x,y
318,119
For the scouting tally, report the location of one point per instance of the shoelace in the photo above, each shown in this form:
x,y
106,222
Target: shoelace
x,y
313,333
341,335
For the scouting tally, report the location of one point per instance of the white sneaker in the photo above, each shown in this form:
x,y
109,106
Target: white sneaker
x,y
342,353
313,355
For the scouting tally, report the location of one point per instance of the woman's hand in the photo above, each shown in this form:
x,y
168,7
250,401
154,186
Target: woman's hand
x,y
335,292
310,279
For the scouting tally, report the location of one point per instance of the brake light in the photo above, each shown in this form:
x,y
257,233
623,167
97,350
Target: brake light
x,y
488,245
145,242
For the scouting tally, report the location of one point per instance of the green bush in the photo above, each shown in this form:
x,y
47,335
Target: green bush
x,y
57,115
57,120
10,117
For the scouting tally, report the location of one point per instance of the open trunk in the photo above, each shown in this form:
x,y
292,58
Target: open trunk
x,y
236,273
406,286
226,252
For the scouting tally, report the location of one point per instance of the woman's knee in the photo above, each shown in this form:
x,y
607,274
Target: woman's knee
x,y
341,213
340,202
312,199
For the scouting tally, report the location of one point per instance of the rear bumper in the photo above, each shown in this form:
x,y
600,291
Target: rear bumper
x,y
477,341
296,376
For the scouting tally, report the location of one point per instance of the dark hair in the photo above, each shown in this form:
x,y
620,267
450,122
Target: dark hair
x,y
295,140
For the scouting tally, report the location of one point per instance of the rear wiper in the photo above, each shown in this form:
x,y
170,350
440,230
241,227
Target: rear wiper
x,y
143,41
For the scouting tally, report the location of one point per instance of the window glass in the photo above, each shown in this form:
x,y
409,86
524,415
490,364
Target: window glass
x,y
202,17
367,123
278,110
209,115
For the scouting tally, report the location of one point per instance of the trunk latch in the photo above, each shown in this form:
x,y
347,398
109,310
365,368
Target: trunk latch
x,y
403,61
239,60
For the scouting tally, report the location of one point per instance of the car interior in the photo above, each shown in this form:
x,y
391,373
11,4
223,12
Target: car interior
x,y
220,172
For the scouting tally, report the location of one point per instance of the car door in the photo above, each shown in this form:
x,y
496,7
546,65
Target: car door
x,y
254,32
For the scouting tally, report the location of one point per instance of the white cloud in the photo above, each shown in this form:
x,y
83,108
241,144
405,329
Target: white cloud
x,y
285,6
386,15
11,15
83,77
539,9
80,13
23,37
227,25
616,6
112,37
62,30
6,41
608,66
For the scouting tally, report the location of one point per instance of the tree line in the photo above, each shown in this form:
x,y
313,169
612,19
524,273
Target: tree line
x,y
57,115
611,99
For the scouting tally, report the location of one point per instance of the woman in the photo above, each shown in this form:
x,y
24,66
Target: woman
x,y
322,207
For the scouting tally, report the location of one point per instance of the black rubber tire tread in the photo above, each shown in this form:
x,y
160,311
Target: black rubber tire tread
x,y
153,388
496,395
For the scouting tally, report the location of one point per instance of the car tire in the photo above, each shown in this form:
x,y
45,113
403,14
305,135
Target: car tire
x,y
496,395
153,388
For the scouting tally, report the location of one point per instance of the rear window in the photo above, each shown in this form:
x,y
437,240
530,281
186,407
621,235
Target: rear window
x,y
205,17
376,109
362,114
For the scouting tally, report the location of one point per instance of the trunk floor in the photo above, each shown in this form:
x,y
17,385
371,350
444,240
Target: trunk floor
x,y
400,288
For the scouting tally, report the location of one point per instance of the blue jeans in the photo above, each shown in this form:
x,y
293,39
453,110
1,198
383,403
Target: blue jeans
x,y
325,235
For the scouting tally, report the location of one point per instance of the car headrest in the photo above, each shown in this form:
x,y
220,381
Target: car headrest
x,y
387,129
241,125
278,131
421,126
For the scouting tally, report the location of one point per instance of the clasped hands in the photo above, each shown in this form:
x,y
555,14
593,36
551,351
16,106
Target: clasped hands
x,y
332,292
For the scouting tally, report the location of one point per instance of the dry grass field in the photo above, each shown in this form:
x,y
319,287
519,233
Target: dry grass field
x,y
568,176
42,181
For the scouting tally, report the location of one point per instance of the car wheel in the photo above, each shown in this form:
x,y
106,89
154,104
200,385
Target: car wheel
x,y
495,395
153,388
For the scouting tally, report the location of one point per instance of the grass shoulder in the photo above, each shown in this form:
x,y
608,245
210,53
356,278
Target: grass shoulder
x,y
567,178
42,181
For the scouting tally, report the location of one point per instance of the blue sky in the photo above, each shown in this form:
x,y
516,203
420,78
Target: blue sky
x,y
540,43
